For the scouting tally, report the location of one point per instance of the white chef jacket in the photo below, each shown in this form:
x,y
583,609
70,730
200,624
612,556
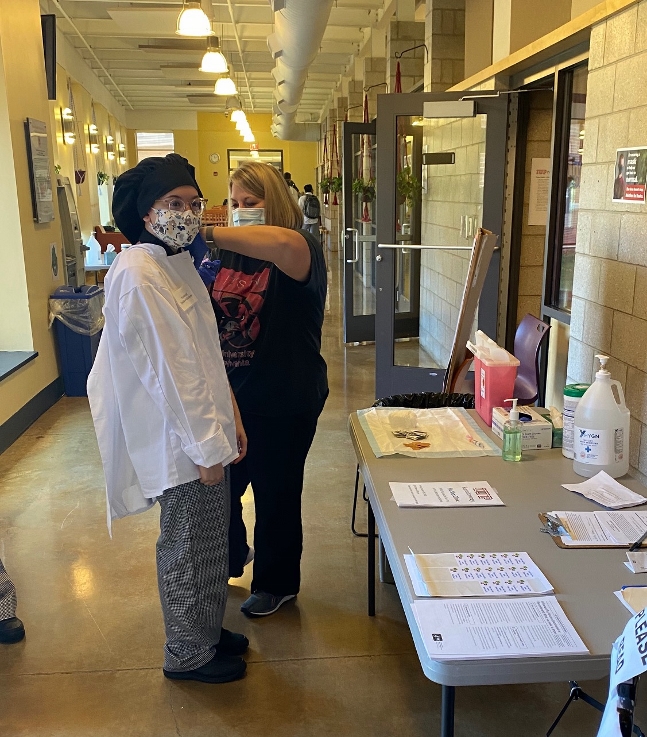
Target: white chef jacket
x,y
158,389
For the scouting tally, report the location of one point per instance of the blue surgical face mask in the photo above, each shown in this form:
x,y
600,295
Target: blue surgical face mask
x,y
248,216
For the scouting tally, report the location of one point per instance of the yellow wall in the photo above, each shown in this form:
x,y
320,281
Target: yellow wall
x,y
216,134
24,95
87,111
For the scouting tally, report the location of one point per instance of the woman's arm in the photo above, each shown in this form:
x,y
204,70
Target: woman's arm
x,y
286,248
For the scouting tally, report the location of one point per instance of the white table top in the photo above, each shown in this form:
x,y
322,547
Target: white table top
x,y
584,580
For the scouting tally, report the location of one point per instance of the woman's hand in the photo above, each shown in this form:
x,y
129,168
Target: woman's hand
x,y
211,476
241,435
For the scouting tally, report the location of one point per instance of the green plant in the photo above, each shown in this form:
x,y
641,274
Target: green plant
x,y
102,178
409,187
325,185
336,184
364,188
57,168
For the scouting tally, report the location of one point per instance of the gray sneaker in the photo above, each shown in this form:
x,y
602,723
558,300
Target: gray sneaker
x,y
261,603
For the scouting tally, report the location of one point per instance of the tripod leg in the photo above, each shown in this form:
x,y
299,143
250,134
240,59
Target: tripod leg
x,y
572,697
448,698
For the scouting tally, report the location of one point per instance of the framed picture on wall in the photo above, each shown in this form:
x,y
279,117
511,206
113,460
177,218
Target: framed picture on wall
x,y
42,195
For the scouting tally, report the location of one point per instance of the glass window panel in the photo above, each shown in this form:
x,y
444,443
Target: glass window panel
x,y
442,208
267,156
573,164
154,143
363,214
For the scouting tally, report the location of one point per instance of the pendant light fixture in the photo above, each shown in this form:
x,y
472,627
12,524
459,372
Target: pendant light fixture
x,y
238,115
249,137
241,123
193,21
225,86
214,62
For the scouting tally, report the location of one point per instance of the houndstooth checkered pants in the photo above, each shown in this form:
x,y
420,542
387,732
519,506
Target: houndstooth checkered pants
x,y
7,595
192,570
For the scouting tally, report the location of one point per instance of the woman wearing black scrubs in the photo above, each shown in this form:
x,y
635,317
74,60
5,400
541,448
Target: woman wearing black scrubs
x,y
269,295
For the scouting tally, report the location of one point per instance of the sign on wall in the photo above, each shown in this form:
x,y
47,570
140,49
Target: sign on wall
x,y
539,192
629,183
39,170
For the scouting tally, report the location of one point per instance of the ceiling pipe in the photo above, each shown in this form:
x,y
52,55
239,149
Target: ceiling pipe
x,y
299,26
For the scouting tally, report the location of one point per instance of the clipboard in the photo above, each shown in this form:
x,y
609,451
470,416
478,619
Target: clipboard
x,y
583,546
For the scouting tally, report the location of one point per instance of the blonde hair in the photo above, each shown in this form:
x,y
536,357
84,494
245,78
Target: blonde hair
x,y
267,183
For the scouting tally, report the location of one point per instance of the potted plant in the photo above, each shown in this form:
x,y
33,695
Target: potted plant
x,y
102,178
364,188
325,185
409,187
336,184
79,176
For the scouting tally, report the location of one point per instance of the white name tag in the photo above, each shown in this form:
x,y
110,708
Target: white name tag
x,y
185,298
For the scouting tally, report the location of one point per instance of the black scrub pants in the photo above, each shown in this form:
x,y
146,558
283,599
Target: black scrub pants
x,y
276,456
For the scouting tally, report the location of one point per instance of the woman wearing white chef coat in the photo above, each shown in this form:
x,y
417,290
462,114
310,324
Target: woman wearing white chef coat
x,y
163,413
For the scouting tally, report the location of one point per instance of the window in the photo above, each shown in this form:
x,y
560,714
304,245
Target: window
x,y
235,157
569,142
154,144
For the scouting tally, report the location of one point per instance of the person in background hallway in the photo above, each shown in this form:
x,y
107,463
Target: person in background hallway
x,y
163,413
11,628
311,209
269,295
293,189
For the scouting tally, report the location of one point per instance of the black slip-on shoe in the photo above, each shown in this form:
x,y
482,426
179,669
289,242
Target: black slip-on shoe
x,y
262,604
11,630
231,643
220,669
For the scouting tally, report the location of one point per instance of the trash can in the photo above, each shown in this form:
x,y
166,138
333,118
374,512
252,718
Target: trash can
x,y
77,315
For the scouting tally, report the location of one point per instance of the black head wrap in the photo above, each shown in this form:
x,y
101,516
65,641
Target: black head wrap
x,y
137,189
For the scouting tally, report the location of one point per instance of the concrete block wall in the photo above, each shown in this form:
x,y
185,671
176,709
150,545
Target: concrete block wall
x,y
609,312
453,191
374,74
445,39
404,35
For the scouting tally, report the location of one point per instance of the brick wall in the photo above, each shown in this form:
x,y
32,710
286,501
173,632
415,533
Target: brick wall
x,y
609,312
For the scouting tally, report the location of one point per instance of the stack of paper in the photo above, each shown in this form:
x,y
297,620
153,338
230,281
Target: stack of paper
x,y
602,529
445,494
476,574
607,492
501,628
634,598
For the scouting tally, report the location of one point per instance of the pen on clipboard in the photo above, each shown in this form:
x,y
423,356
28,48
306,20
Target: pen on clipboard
x,y
638,542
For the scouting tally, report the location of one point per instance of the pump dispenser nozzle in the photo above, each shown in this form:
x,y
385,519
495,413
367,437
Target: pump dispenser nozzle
x,y
603,364
514,412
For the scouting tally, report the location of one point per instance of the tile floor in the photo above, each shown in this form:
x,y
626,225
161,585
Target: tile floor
x,y
91,663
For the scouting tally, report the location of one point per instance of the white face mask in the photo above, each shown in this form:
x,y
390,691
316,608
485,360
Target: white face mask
x,y
176,229
248,216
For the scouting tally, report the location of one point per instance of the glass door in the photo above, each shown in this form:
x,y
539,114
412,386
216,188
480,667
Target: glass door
x,y
441,163
360,239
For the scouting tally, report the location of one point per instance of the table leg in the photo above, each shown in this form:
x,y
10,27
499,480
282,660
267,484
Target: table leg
x,y
447,711
371,561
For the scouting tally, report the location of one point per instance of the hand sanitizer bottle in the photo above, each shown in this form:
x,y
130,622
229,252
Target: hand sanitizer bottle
x,y
512,435
601,431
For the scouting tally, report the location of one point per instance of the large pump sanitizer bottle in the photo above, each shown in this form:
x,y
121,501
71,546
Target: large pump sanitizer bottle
x,y
601,432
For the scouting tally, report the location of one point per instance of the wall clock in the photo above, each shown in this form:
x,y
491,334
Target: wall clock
x,y
214,158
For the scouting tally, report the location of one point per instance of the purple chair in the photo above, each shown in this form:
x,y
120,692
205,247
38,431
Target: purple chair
x,y
530,334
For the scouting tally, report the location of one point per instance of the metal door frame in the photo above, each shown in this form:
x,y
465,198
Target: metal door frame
x,y
391,379
357,328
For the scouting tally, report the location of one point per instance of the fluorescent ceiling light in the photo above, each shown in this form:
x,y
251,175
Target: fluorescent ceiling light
x,y
193,21
225,86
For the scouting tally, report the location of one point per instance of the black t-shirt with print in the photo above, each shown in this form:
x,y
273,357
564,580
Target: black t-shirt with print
x,y
270,332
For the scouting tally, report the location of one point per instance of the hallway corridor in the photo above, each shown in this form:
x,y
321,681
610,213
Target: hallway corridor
x,y
90,665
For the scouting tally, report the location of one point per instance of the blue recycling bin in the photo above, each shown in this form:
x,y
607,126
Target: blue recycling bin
x,y
77,313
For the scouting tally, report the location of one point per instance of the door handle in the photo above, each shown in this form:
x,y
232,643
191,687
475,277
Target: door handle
x,y
355,258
